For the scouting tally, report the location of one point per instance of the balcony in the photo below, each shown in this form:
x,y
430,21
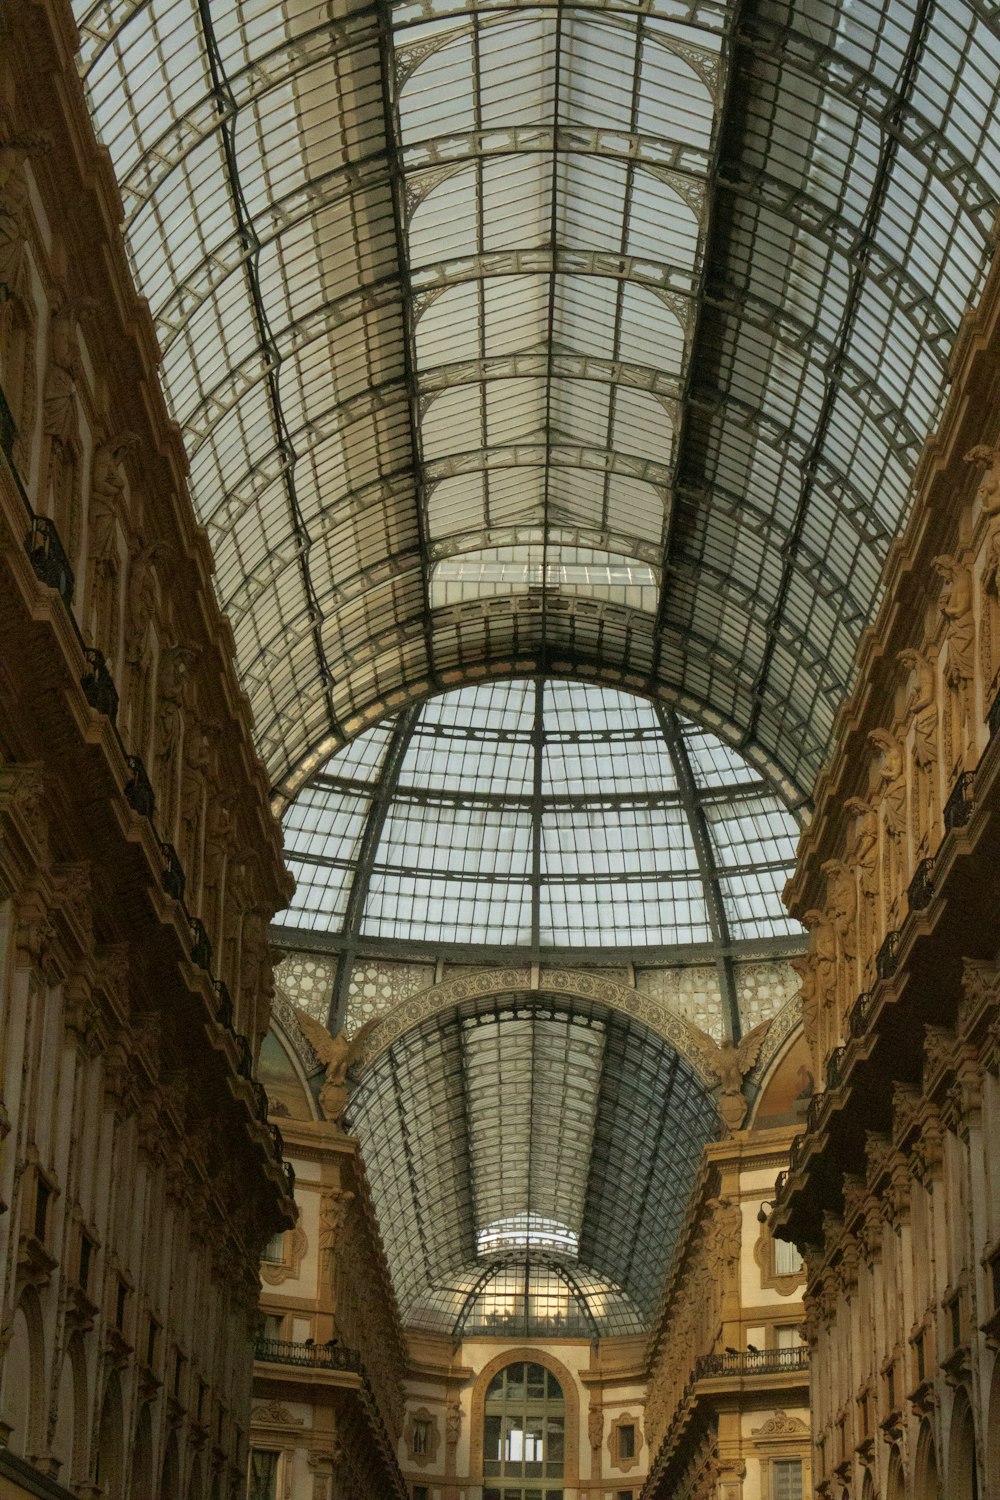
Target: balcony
x,y
835,1067
921,887
48,558
201,948
99,685
172,876
747,1364
961,801
138,789
857,1021
887,957
307,1356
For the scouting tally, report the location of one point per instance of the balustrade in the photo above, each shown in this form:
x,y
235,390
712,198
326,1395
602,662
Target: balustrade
x,y
48,558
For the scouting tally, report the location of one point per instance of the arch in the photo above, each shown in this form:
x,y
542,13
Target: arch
x,y
896,1482
992,1476
868,1491
69,1442
24,1375
784,1081
195,1490
555,982
286,1082
571,1397
925,1470
170,1482
109,1468
142,1457
511,660
963,1478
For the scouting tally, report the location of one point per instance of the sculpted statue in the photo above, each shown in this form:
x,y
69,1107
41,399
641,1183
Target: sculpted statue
x,y
725,1232
176,666
988,493
842,904
141,596
955,603
729,1063
862,849
891,780
337,1053
106,509
808,997
595,1425
921,707
64,371
333,1211
15,212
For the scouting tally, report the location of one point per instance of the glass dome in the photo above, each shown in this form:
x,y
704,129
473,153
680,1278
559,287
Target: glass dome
x,y
540,813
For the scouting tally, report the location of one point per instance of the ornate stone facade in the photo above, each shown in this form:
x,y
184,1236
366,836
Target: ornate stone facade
x,y
331,1350
891,1193
138,1174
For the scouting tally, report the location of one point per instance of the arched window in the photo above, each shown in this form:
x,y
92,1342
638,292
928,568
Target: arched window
x,y
524,1421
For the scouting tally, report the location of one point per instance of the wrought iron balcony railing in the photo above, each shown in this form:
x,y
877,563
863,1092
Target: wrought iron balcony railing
x,y
921,887
8,429
309,1356
961,801
857,1021
244,1057
139,792
814,1110
172,876
993,717
223,1003
201,947
48,557
835,1066
99,685
763,1362
887,957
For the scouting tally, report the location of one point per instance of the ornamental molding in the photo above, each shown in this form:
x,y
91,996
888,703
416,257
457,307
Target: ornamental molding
x,y
781,1425
295,1248
283,1011
554,982
274,1414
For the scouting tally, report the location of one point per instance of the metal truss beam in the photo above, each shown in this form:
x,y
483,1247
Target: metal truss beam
x,y
702,839
378,811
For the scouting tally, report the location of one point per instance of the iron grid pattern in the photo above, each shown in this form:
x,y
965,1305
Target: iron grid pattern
x,y
587,336
530,1108
541,814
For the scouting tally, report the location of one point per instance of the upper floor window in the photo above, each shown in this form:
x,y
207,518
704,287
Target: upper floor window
x,y
524,1432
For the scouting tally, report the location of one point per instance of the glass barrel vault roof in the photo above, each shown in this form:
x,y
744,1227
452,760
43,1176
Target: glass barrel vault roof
x,y
589,335
531,1160
541,813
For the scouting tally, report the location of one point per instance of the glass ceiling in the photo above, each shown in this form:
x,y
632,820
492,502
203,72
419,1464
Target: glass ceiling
x,y
541,814
530,1159
586,335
